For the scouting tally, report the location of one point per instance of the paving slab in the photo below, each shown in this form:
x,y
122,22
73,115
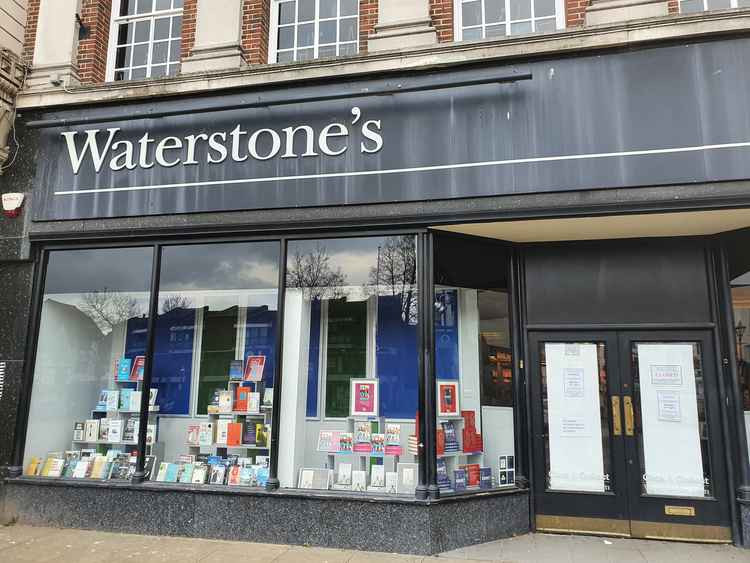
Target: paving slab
x,y
20,544
553,548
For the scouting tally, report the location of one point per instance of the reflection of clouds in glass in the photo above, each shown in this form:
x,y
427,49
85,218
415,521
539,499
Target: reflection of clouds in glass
x,y
354,256
220,266
111,269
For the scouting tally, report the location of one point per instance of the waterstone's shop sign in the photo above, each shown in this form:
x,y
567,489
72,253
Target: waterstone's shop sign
x,y
579,123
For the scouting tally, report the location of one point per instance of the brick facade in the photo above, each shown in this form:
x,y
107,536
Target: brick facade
x,y
256,21
189,14
368,19
92,51
441,14
32,17
575,12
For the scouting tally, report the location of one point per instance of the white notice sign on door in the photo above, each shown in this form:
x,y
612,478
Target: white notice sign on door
x,y
669,411
575,431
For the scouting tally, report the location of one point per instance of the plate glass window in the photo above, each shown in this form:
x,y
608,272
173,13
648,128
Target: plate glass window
x,y
311,29
146,39
214,357
84,415
349,395
475,437
480,19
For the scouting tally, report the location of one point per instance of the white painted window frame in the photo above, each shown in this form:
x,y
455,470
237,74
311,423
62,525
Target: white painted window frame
x,y
458,24
273,31
732,5
116,20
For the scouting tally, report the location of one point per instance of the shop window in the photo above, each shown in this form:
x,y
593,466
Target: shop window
x,y
473,366
310,29
350,366
145,39
479,19
693,6
85,403
214,359
741,305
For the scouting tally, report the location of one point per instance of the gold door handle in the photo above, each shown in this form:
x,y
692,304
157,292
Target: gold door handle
x,y
616,422
629,418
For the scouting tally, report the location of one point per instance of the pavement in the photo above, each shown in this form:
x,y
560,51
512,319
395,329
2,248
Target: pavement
x,y
26,543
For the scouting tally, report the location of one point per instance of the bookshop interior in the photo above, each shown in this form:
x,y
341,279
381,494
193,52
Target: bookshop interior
x,y
349,405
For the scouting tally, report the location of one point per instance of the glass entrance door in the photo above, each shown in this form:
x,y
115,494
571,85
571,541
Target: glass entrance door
x,y
627,435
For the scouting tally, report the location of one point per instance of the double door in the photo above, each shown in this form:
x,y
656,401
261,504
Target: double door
x,y
627,435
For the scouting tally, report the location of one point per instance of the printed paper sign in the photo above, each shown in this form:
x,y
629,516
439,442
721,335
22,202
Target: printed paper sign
x,y
669,406
666,375
574,414
673,462
573,383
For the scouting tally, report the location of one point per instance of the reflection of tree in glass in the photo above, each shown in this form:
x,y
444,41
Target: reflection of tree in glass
x,y
312,272
396,272
173,302
109,308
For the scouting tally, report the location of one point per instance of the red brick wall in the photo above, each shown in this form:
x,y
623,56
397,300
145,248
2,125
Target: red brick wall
x,y
92,51
256,18
441,14
575,12
189,13
368,19
32,17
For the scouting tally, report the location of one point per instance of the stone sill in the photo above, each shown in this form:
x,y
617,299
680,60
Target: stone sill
x,y
574,40
252,492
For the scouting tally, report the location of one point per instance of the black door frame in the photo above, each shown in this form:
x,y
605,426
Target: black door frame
x,y
624,510
721,326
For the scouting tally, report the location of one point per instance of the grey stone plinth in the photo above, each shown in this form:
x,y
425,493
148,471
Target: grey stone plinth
x,y
601,12
288,517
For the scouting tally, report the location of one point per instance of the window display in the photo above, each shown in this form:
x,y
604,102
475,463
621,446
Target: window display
x,y
349,397
85,406
474,390
741,307
213,362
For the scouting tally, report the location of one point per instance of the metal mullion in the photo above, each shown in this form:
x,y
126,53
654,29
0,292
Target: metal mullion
x,y
338,27
533,14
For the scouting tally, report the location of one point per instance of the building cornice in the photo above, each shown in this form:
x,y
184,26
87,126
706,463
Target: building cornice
x,y
570,41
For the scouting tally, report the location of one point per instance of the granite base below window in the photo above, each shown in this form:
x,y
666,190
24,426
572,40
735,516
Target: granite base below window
x,y
745,520
407,526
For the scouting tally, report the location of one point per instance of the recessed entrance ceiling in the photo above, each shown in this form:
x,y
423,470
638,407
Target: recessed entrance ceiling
x,y
609,227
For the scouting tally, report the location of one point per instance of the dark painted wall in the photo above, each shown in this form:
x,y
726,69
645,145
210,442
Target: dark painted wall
x,y
627,281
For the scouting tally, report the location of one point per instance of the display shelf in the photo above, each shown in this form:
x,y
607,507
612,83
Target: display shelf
x,y
105,442
151,408
458,454
240,413
237,447
360,454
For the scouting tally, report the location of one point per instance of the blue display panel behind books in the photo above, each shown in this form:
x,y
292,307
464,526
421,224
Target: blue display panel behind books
x,y
397,356
173,360
260,334
446,334
313,364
